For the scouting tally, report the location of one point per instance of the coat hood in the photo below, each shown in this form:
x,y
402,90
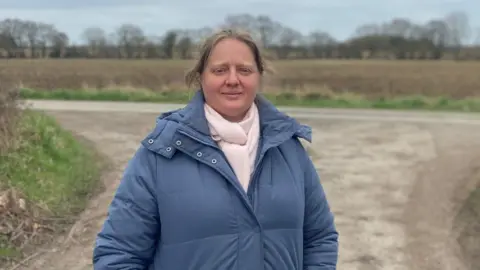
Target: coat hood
x,y
275,126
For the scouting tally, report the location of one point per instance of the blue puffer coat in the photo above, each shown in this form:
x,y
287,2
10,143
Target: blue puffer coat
x,y
179,205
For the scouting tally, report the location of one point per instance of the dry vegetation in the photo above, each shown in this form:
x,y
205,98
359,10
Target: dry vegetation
x,y
19,219
43,184
8,116
14,216
372,79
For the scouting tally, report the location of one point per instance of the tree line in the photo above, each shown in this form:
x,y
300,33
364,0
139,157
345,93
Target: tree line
x,y
399,38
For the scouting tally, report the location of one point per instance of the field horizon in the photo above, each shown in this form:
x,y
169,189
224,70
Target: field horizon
x,y
388,84
376,79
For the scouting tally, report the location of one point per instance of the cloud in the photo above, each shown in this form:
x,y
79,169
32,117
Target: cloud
x,y
339,18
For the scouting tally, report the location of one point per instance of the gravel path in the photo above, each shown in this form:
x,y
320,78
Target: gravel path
x,y
393,185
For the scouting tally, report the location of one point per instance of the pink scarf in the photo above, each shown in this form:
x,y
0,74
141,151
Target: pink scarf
x,y
239,141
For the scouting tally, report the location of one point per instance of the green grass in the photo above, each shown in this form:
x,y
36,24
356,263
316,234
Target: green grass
x,y
282,99
50,167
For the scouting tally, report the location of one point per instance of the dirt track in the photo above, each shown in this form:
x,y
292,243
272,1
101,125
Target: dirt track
x,y
393,187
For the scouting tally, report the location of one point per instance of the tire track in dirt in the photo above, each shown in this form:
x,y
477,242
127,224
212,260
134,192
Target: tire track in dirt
x,y
443,185
368,169
396,189
368,175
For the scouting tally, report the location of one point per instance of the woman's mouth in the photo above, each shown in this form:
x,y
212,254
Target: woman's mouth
x,y
232,94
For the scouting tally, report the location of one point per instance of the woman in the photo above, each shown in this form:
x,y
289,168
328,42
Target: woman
x,y
223,183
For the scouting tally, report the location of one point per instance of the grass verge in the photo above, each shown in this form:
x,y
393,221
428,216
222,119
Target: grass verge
x,y
47,177
313,99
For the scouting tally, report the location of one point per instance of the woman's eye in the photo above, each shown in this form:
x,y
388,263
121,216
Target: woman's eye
x,y
218,71
245,71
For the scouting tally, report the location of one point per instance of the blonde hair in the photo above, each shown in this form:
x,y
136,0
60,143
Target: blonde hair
x,y
193,75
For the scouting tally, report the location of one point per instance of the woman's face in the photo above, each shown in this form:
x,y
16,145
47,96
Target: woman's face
x,y
230,79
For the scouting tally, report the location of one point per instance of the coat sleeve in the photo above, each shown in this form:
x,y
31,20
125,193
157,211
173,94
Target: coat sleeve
x,y
320,235
131,230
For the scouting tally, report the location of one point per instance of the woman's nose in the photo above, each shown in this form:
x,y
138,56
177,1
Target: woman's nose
x,y
232,78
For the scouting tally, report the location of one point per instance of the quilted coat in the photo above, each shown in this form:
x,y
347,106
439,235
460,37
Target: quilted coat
x,y
179,205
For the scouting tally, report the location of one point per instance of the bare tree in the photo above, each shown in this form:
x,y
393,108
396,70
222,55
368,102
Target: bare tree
x,y
417,32
168,44
320,38
184,44
96,40
398,27
368,30
246,22
14,37
397,38
288,39
32,32
265,30
459,26
130,39
319,43
47,34
438,32
60,43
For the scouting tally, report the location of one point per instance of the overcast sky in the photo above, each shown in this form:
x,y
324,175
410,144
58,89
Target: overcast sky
x,y
338,17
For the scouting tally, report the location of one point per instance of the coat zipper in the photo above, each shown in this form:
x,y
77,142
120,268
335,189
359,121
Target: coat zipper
x,y
251,191
246,200
252,186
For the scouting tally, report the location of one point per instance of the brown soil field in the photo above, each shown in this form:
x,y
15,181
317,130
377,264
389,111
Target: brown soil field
x,y
372,79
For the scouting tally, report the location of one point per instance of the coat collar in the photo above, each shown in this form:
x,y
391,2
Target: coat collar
x,y
275,126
